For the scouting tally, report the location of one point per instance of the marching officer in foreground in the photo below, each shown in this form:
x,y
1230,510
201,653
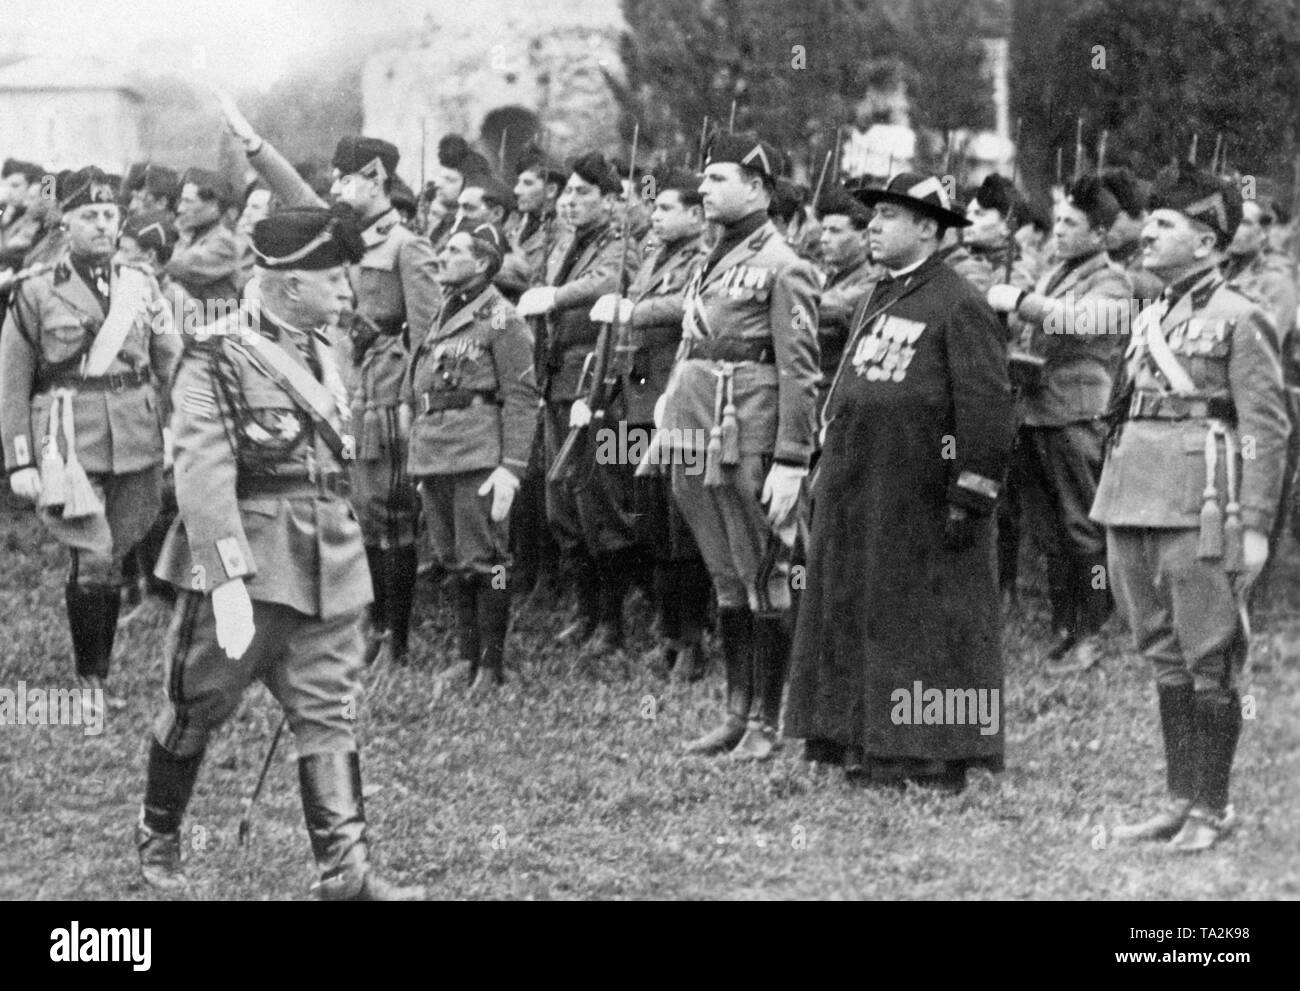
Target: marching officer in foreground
x,y
268,555
397,301
902,590
473,403
742,398
1076,319
650,333
1188,493
86,356
591,520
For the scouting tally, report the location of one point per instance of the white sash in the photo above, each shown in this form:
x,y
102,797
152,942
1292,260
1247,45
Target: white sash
x,y
131,294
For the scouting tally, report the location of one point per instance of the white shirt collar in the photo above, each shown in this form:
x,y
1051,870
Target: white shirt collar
x,y
898,273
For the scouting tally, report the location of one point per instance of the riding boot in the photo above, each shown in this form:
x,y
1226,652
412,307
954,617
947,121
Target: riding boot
x,y
336,824
585,580
92,621
467,629
1178,728
400,579
493,622
1218,728
616,571
169,782
737,627
378,635
771,653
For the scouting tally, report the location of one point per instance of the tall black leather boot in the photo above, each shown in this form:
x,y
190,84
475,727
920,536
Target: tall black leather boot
x,y
616,572
403,564
771,654
467,632
1178,729
737,627
92,621
377,637
169,783
583,576
1218,728
1061,580
493,622
336,824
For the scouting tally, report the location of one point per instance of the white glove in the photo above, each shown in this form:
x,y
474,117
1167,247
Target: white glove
x,y
536,301
660,405
236,122
169,449
781,492
579,414
26,484
503,484
1005,298
233,611
603,311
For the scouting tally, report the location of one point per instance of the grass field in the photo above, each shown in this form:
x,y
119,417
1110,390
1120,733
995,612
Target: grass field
x,y
571,784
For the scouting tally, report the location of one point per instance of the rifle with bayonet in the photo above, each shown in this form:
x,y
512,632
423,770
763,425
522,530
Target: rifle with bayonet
x,y
600,372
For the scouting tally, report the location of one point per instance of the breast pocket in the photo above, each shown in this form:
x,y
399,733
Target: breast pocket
x,y
62,337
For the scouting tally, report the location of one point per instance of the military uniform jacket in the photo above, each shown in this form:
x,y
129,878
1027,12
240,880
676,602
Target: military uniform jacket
x,y
570,333
1270,278
234,428
487,348
1155,471
760,291
18,232
654,332
206,264
52,321
394,283
1082,343
841,293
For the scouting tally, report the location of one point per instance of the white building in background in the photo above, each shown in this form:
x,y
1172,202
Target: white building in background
x,y
63,114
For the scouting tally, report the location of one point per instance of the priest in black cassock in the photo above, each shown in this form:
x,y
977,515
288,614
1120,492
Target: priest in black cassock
x,y
897,665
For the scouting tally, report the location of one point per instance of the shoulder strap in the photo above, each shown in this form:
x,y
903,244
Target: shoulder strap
x,y
312,397
1163,355
130,296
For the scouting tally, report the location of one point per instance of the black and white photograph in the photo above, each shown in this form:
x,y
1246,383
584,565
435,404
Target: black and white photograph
x,y
651,450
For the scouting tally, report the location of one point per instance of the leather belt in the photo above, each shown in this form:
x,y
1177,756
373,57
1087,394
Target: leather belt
x,y
1154,406
444,399
735,349
117,382
332,483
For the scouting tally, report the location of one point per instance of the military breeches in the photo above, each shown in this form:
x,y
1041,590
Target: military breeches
x,y
1180,608
465,540
1056,470
99,544
732,533
594,510
312,666
385,500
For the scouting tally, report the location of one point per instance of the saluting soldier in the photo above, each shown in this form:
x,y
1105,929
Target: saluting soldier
x,y
267,554
901,591
1188,494
743,398
397,302
1076,320
86,356
650,333
848,276
993,207
205,262
531,228
472,398
592,521
19,224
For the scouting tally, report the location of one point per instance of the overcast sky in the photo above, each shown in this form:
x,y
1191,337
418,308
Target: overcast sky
x,y
246,42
